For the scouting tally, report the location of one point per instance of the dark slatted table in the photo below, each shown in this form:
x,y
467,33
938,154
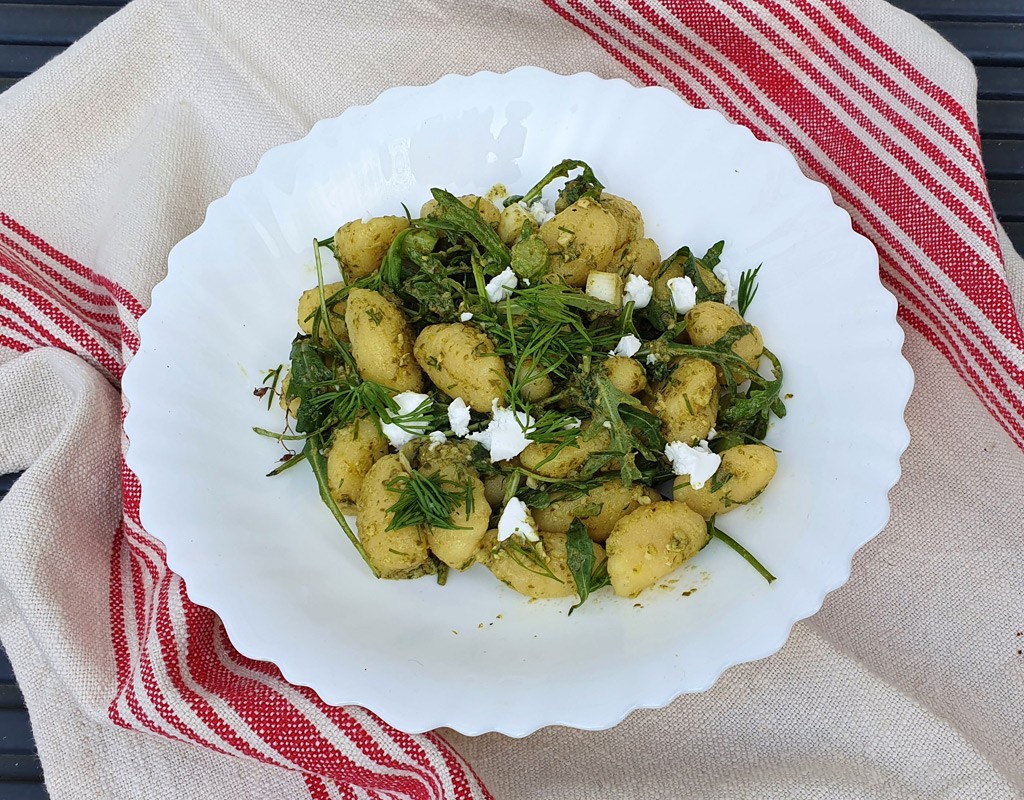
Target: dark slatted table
x,y
990,32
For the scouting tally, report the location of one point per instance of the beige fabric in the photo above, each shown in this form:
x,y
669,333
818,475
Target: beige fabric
x,y
908,684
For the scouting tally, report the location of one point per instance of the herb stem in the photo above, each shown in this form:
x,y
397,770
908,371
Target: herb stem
x,y
715,533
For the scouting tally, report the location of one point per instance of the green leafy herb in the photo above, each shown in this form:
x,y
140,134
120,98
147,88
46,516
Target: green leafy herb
x,y
428,500
451,212
310,377
579,551
747,289
715,533
586,184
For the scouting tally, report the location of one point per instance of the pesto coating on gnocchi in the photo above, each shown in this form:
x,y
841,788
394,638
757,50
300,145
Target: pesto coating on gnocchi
x,y
522,384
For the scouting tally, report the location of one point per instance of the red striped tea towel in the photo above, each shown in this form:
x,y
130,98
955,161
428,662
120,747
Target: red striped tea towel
x,y
102,634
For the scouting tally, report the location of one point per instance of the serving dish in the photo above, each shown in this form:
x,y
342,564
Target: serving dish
x,y
472,655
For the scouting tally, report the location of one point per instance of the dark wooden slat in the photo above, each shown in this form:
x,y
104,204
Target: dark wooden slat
x,y
1008,199
963,9
6,670
7,83
18,60
19,768
10,697
1004,158
6,482
1001,119
24,790
50,24
15,732
118,3
1000,83
1000,43
1015,230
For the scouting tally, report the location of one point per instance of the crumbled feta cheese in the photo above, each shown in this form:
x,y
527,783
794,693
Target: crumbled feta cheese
x,y
730,291
436,438
500,286
399,436
607,424
505,434
458,417
697,462
465,316
639,290
516,518
712,434
684,294
574,423
628,346
651,359
540,212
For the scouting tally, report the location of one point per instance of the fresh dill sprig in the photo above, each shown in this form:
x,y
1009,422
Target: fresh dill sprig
x,y
747,289
428,500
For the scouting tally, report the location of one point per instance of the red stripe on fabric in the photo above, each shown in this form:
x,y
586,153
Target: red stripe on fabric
x,y
222,679
118,608
16,327
907,314
89,344
928,86
44,337
982,227
739,114
162,631
69,292
316,787
961,363
11,344
925,226
118,292
968,147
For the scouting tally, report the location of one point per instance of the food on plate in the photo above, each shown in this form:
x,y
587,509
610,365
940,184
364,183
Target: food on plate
x,y
511,383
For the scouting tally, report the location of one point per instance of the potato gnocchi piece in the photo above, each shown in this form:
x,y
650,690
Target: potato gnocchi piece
x,y
361,246
352,452
458,547
708,322
382,341
534,569
583,238
745,471
687,403
629,221
649,543
626,374
638,257
460,361
309,303
598,510
542,458
400,553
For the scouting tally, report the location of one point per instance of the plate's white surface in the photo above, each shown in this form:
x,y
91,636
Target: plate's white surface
x,y
269,558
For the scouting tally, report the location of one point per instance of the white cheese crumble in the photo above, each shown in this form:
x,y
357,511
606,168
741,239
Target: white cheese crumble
x,y
458,417
407,403
500,286
697,462
540,212
465,316
651,359
639,290
684,294
505,435
730,291
436,438
627,347
516,518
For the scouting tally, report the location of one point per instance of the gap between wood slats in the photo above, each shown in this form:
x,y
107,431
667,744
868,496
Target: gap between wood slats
x,y
1001,119
18,768
963,9
1015,230
50,24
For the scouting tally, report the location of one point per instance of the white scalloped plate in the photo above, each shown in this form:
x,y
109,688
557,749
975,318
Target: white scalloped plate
x,y
266,555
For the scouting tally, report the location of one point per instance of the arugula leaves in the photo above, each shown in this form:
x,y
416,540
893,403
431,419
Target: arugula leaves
x,y
586,574
586,184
